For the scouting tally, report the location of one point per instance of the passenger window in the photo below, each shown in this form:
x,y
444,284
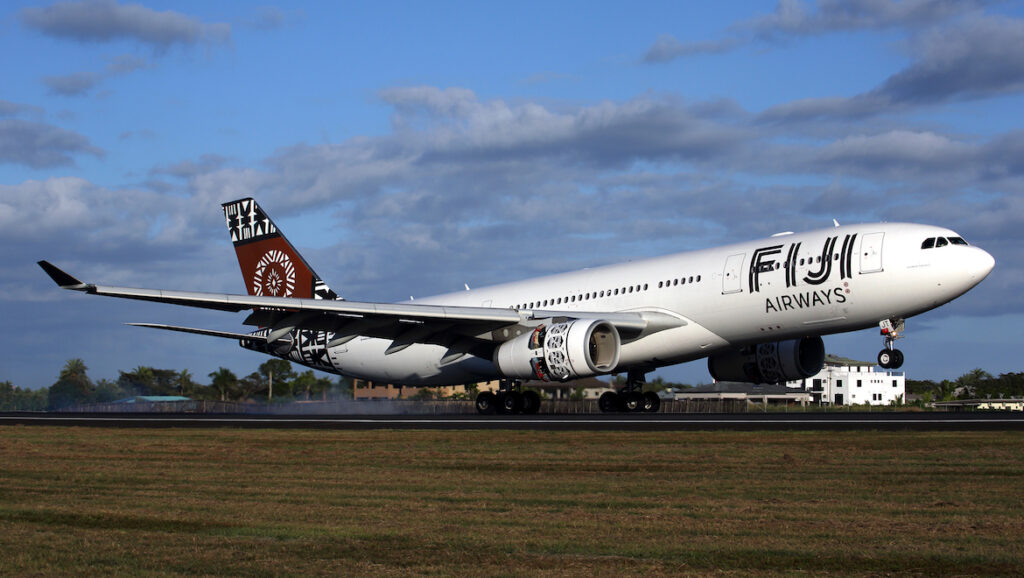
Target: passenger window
x,y
928,243
941,242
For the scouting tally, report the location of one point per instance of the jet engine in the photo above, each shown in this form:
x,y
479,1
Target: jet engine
x,y
774,362
561,351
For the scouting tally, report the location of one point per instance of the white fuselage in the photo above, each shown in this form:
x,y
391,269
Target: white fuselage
x,y
783,287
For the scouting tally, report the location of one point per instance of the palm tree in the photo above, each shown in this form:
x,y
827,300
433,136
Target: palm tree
x,y
223,380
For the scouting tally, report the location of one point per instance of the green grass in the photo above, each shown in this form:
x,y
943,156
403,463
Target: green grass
x,y
273,502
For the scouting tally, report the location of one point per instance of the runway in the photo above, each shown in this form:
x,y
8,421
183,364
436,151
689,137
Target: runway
x,y
921,421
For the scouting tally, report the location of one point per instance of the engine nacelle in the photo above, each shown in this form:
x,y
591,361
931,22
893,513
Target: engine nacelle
x,y
561,351
775,362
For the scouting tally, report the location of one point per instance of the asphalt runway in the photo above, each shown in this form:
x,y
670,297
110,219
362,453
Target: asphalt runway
x,y
972,421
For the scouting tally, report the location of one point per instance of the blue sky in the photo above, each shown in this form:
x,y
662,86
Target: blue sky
x,y
408,148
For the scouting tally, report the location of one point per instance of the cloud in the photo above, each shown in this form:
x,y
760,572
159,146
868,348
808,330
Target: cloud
x,y
125,63
667,48
39,145
106,21
187,168
76,84
8,108
793,18
81,83
978,58
271,18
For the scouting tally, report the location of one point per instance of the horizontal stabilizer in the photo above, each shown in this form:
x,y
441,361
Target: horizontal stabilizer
x,y
210,332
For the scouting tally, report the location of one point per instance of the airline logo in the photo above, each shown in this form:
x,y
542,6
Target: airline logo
x,y
820,269
274,276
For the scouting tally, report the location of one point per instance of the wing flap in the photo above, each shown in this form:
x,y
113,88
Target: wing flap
x,y
209,332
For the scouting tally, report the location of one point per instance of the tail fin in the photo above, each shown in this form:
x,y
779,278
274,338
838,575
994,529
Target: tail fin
x,y
270,265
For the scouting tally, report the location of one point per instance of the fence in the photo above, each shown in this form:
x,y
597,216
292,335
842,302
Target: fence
x,y
382,407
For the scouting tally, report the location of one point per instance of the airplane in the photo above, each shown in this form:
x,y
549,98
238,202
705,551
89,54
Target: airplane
x,y
756,310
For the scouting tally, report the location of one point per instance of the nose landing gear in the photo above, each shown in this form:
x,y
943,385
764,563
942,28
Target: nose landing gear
x,y
892,329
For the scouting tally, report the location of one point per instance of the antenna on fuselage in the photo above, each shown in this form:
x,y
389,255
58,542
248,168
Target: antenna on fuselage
x,y
835,222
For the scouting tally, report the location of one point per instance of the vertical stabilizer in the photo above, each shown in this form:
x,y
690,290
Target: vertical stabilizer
x,y
270,265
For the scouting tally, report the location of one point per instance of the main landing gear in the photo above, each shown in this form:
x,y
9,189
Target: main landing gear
x,y
892,329
508,400
630,398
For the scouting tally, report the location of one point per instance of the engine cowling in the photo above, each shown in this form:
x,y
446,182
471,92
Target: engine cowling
x,y
774,362
561,351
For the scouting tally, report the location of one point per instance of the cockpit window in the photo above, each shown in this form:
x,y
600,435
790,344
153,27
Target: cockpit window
x,y
932,242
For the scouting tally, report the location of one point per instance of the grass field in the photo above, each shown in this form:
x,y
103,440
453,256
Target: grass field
x,y
273,502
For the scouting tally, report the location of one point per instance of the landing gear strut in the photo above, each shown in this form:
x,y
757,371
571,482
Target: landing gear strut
x,y
632,397
889,357
508,400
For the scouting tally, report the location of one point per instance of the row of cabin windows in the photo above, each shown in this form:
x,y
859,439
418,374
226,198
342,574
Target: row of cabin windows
x,y
605,293
803,261
679,281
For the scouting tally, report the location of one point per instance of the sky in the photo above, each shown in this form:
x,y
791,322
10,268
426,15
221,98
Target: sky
x,y
408,148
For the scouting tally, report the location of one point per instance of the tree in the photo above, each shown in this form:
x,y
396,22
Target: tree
x,y
108,391
224,382
186,386
279,373
149,381
307,385
72,387
14,398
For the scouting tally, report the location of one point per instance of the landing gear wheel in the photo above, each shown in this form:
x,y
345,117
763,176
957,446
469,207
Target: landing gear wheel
x,y
531,402
897,359
608,402
510,402
885,358
652,403
633,401
486,403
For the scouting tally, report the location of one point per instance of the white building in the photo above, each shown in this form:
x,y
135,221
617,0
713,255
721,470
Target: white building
x,y
848,382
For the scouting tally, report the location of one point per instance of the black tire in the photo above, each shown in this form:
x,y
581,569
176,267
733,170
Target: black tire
x,y
608,402
885,358
633,401
486,403
652,403
531,402
510,403
897,359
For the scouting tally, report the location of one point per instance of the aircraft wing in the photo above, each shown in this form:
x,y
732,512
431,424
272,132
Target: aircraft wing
x,y
404,323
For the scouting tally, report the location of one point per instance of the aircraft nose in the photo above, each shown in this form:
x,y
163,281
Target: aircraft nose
x,y
981,264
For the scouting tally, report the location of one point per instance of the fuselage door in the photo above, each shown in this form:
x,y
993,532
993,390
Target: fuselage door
x,y
732,279
871,253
